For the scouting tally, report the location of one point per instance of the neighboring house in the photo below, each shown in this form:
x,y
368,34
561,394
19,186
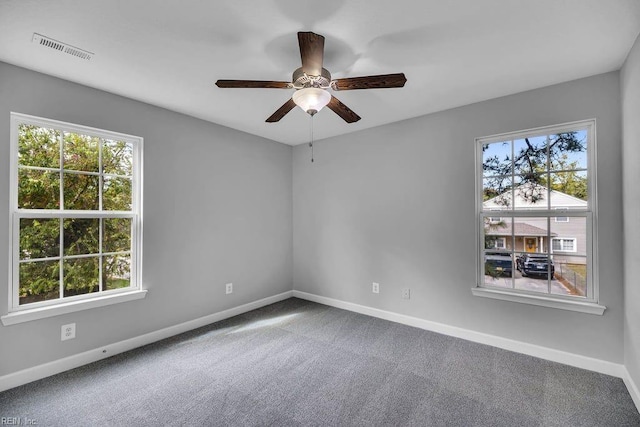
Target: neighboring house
x,y
565,236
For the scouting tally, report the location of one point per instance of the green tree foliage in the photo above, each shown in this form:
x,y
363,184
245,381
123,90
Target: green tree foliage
x,y
572,182
44,167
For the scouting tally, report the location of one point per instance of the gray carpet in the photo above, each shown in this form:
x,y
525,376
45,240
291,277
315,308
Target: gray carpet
x,y
300,363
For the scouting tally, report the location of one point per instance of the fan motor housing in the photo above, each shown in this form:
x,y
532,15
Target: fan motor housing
x,y
301,79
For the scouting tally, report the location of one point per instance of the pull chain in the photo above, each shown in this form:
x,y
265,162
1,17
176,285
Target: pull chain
x,y
311,143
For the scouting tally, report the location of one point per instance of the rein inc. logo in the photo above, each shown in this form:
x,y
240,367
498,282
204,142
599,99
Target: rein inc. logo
x,y
18,421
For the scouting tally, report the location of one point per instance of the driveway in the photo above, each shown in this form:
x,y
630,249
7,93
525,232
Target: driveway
x,y
535,284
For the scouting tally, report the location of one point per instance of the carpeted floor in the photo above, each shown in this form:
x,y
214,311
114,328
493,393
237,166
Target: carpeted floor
x,y
301,363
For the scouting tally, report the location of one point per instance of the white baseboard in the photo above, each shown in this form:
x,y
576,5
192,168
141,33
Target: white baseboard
x,y
589,363
51,368
634,391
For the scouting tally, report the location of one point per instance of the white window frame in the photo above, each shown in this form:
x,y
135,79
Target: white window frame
x,y
562,240
588,304
62,305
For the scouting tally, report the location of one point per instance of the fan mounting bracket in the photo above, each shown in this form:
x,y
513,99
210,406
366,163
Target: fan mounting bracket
x,y
302,80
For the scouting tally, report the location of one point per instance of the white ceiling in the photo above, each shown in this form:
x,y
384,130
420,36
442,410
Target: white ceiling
x,y
453,52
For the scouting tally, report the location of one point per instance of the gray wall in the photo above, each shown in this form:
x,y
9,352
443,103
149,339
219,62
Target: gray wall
x,y
395,205
217,205
630,88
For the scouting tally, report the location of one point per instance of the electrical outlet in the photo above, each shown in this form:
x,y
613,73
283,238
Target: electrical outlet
x,y
229,288
375,288
406,293
68,332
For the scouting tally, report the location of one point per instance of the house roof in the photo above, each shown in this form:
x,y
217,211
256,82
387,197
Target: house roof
x,y
532,196
519,229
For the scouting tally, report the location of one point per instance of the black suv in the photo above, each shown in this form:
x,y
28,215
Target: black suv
x,y
498,264
535,264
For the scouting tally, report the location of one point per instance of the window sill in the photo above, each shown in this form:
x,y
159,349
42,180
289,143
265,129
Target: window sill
x,y
580,306
69,307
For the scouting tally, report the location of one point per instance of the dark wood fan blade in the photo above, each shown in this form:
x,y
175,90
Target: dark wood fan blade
x,y
282,111
370,82
253,84
311,52
342,110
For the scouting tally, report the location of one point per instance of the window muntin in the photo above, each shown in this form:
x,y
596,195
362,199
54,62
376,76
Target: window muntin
x,y
76,202
531,177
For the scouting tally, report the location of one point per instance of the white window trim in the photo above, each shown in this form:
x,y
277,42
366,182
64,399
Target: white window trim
x,y
101,300
586,305
43,309
503,240
575,245
540,300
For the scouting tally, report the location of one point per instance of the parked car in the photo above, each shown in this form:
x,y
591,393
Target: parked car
x,y
497,264
535,264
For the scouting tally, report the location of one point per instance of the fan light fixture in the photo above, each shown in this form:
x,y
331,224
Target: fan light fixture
x,y
311,99
312,83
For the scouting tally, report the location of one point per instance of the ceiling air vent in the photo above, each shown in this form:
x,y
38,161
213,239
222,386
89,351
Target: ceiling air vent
x,y
62,47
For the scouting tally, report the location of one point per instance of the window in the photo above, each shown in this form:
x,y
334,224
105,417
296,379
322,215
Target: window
x,y
562,218
499,243
76,203
531,177
563,244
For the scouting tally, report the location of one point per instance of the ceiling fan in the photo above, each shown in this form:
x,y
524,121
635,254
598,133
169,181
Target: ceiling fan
x,y
312,82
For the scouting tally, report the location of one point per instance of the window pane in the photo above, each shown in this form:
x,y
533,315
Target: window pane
x,y
116,272
81,192
39,238
534,272
570,236
571,272
531,192
38,189
498,269
116,235
568,150
38,146
498,235
496,193
39,281
80,276
531,235
573,184
116,194
81,236
81,152
496,158
530,155
117,157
